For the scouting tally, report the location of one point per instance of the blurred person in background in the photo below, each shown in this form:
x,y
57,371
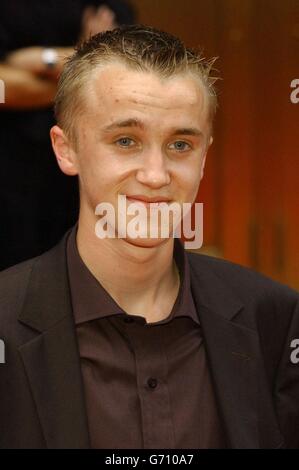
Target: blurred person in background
x,y
38,202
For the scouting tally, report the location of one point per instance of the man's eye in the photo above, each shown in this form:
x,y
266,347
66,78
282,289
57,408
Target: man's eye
x,y
180,145
125,142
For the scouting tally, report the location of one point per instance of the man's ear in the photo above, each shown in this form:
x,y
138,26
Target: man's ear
x,y
204,158
64,151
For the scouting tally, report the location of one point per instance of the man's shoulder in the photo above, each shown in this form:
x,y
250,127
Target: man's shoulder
x,y
14,281
33,293
15,276
13,285
245,282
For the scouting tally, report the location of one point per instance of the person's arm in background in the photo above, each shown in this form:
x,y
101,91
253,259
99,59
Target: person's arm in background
x,y
29,82
23,90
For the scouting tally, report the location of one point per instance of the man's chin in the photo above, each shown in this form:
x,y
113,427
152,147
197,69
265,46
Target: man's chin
x,y
146,242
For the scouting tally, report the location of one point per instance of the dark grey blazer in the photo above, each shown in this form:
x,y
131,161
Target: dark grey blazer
x,y
248,323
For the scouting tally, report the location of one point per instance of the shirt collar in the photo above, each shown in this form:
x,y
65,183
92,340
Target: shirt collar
x,y
91,301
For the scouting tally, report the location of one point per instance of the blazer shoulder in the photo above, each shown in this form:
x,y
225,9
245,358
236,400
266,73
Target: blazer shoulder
x,y
245,282
13,286
15,279
15,275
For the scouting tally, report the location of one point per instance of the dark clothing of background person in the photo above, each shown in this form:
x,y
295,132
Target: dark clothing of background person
x,y
38,202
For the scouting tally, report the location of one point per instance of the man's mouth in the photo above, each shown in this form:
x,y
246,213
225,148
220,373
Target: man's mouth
x,y
147,201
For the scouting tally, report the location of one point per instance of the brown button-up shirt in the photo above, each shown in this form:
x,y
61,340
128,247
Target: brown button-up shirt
x,y
147,385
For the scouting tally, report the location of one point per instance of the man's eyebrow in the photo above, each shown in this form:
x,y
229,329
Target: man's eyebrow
x,y
132,122
188,131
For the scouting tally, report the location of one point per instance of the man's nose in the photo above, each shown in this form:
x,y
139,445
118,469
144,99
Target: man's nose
x,y
154,171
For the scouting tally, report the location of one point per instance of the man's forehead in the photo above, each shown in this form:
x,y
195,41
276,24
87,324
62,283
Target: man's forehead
x,y
118,83
119,93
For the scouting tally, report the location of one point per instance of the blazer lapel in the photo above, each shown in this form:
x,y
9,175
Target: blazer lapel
x,y
235,360
51,359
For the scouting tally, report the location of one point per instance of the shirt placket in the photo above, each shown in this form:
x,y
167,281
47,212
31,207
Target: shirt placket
x,y
152,385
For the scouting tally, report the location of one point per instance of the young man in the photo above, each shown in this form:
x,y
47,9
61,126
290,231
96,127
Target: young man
x,y
131,342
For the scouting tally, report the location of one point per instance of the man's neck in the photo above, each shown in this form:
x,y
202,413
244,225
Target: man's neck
x,y
143,281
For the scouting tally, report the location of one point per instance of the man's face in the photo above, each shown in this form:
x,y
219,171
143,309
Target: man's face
x,y
142,137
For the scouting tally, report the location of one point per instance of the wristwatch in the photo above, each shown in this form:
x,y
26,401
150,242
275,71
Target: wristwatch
x,y
49,57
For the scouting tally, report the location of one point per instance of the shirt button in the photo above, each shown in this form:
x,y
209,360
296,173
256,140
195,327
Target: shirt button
x,y
128,320
152,383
